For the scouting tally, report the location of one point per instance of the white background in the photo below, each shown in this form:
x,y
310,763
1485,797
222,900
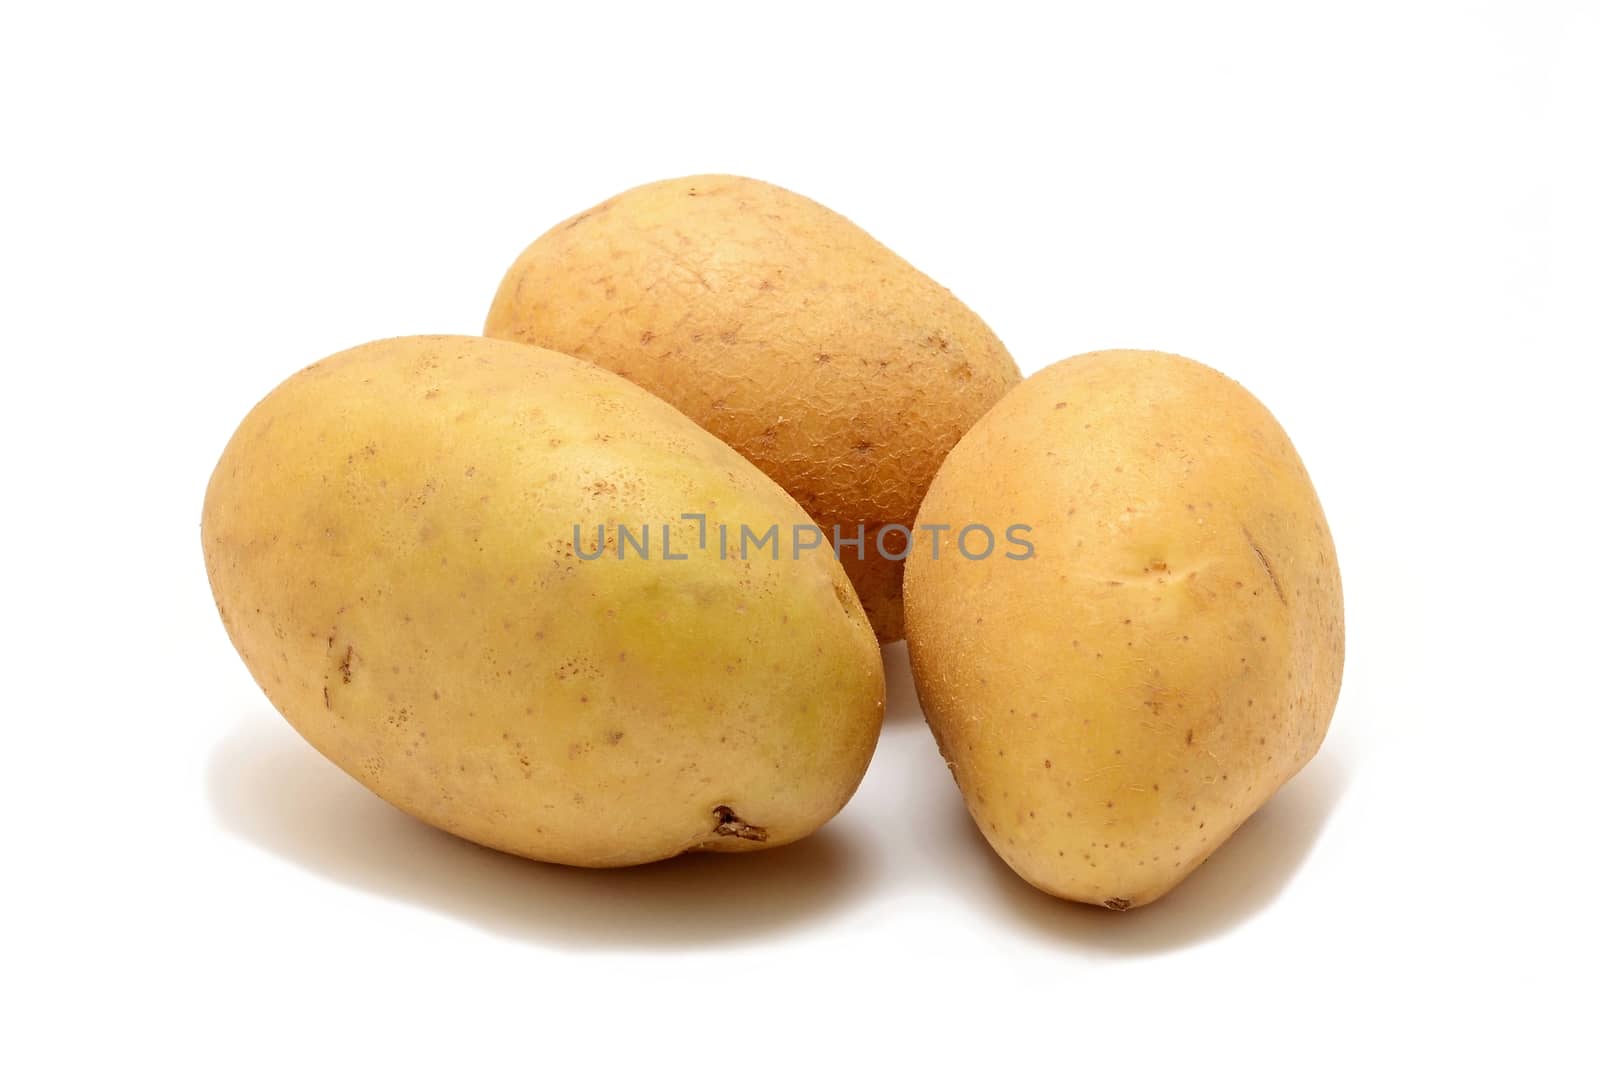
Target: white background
x,y
1380,218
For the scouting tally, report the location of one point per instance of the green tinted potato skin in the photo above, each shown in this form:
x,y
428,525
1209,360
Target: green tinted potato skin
x,y
389,537
791,334
1116,706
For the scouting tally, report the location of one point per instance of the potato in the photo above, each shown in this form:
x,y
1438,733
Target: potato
x,y
837,368
1114,705
402,541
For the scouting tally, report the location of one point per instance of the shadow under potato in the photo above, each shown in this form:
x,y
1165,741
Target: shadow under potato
x,y
900,689
268,786
1240,879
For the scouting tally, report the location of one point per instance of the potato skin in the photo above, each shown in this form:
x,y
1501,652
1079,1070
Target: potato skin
x,y
390,540
841,371
1114,707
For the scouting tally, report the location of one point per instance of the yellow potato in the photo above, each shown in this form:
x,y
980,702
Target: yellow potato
x,y
402,541
1116,704
837,368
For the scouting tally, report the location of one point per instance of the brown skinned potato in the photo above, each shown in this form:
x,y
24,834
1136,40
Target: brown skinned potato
x,y
788,332
1116,705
